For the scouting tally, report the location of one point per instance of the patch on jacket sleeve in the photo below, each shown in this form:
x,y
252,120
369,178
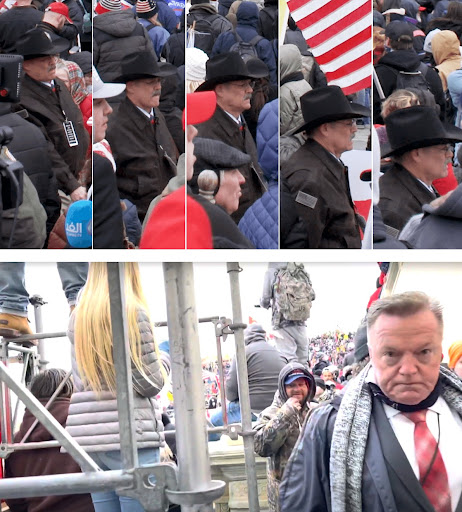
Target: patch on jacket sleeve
x,y
306,199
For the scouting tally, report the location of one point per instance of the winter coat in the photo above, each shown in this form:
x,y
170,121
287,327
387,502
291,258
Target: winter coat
x,y
446,52
387,71
44,461
132,222
167,17
30,147
221,127
268,20
206,11
225,233
108,227
264,363
145,154
117,34
247,22
14,23
277,430
46,110
441,227
401,196
292,228
293,85
382,240
174,50
158,35
318,182
223,6
93,419
260,221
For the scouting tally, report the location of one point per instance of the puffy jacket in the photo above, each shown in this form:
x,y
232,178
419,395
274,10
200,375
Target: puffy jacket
x,y
264,363
277,431
117,34
293,85
247,21
93,419
260,221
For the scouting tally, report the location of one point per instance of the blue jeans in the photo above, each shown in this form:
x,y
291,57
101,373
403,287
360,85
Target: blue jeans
x,y
110,501
14,298
234,416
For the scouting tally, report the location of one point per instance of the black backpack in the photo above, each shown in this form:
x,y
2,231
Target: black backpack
x,y
201,28
268,22
413,79
245,50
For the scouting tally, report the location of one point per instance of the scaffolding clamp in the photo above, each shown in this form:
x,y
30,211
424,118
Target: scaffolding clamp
x,y
214,491
235,430
6,450
150,485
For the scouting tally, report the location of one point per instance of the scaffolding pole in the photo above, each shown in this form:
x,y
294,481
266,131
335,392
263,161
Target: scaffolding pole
x,y
243,387
196,489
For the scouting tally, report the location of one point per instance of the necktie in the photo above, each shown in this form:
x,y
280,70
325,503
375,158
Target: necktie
x,y
433,475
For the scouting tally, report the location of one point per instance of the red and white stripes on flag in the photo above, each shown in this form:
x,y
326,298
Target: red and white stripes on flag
x,y
339,33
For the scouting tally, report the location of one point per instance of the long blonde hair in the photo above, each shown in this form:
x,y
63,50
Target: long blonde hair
x,y
93,330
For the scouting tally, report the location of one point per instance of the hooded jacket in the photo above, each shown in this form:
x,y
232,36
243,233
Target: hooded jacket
x,y
247,22
278,428
117,34
293,85
441,227
264,363
446,52
387,71
44,461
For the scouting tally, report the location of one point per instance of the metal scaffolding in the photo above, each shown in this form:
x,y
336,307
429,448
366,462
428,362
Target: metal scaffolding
x,y
193,490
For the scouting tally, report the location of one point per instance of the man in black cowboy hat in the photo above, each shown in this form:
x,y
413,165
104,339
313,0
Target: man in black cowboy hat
x,y
232,80
143,148
228,163
50,106
316,178
421,146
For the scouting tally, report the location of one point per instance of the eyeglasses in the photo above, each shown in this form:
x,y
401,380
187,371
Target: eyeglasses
x,y
245,85
447,148
348,122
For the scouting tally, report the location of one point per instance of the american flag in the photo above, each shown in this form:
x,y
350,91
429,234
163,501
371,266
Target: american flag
x,y
339,34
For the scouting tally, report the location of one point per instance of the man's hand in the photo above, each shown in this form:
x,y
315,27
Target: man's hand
x,y
78,194
294,403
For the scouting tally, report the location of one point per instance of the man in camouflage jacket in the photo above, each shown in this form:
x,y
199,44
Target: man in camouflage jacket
x,y
279,425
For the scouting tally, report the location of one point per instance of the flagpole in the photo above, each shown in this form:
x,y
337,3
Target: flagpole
x,y
283,19
378,85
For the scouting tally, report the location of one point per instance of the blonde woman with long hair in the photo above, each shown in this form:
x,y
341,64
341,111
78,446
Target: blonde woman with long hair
x,y
93,417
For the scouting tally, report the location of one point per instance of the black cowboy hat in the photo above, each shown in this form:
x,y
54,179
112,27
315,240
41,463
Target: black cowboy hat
x,y
227,67
417,127
143,65
38,42
326,105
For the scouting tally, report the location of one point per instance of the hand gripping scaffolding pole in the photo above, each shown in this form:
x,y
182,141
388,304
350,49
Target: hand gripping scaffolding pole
x,y
196,489
243,386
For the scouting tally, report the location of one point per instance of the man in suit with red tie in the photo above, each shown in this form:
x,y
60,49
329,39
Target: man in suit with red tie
x,y
392,442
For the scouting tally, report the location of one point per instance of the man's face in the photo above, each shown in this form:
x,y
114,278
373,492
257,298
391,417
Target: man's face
x,y
406,355
42,69
234,97
434,161
101,113
145,92
327,376
230,190
298,389
191,132
341,134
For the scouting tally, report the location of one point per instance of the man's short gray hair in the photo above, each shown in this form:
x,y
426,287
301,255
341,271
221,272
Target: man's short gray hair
x,y
403,305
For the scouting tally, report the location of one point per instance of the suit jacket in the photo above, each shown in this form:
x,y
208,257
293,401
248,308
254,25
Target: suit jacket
x,y
145,154
318,183
401,196
222,127
49,110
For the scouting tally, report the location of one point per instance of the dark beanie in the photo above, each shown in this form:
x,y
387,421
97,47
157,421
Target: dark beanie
x,y
360,340
195,2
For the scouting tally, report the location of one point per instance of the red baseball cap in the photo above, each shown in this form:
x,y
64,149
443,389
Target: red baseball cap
x,y
59,8
200,107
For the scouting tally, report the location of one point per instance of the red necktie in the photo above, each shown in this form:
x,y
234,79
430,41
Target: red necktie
x,y
433,475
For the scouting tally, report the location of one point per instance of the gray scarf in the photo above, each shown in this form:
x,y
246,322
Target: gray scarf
x,y
349,438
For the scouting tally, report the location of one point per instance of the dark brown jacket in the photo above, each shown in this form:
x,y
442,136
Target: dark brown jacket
x,y
222,127
319,184
145,154
48,110
401,196
45,461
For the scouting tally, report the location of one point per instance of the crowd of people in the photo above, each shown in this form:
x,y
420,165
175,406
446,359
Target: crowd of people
x,y
417,83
